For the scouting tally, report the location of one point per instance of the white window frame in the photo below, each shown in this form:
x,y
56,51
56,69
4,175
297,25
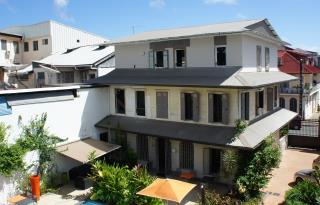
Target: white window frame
x,y
216,54
175,58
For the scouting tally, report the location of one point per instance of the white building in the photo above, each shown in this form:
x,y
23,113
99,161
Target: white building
x,y
43,39
177,94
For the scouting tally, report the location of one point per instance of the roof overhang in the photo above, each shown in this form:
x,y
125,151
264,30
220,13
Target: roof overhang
x,y
80,150
216,135
11,35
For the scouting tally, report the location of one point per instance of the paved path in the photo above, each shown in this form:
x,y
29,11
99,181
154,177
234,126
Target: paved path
x,y
292,160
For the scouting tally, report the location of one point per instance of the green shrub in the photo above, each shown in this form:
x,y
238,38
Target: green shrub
x,y
304,193
119,185
213,198
257,170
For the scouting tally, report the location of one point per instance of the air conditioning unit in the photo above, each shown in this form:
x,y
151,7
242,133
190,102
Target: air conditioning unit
x,y
7,54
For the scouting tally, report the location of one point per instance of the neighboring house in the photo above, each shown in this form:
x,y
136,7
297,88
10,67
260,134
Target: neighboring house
x,y
40,40
289,62
75,65
10,56
176,95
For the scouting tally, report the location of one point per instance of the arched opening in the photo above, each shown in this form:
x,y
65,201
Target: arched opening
x,y
293,105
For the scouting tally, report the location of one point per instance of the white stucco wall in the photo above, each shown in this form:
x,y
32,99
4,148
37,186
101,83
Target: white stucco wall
x,y
71,120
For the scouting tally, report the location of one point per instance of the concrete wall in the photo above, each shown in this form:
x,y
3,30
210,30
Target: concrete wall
x,y
13,57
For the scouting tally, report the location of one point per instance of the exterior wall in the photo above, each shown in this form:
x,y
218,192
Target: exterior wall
x,y
130,56
249,54
13,57
241,51
42,52
67,37
174,102
71,120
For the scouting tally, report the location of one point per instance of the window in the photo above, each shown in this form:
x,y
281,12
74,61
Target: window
x,y
282,102
142,147
120,101
180,58
259,102
45,41
16,47
293,105
270,99
267,58
140,103
259,59
26,46
159,59
217,107
162,105
275,89
65,77
35,45
186,155
104,136
245,106
221,55
3,45
188,106
24,77
92,76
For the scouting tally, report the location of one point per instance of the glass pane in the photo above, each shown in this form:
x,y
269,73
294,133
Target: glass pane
x,y
221,56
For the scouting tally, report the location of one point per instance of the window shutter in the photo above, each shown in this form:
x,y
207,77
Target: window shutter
x,y
206,161
162,105
151,59
195,104
210,108
165,59
225,109
242,106
182,106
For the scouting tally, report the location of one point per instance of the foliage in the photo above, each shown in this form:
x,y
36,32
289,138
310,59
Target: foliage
x,y
35,136
213,198
256,173
230,161
11,155
252,201
284,131
241,125
304,193
119,185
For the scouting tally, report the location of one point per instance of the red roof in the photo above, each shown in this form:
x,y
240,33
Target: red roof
x,y
289,64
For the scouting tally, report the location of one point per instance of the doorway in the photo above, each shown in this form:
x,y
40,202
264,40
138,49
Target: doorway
x,y
164,157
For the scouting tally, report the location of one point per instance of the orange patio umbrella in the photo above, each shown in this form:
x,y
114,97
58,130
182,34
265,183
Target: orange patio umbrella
x,y
167,189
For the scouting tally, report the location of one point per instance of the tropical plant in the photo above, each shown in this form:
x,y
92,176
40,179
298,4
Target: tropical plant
x,y
213,198
257,171
11,155
241,125
35,136
230,161
119,185
304,193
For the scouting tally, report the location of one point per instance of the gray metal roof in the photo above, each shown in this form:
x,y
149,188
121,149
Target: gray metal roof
x,y
200,133
193,77
169,129
195,31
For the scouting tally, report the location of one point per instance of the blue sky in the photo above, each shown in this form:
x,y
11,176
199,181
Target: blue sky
x,y
296,21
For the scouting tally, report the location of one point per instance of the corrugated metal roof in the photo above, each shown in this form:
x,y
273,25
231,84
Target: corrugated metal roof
x,y
198,77
220,28
253,135
86,55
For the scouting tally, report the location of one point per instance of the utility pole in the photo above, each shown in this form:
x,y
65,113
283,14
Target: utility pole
x,y
301,88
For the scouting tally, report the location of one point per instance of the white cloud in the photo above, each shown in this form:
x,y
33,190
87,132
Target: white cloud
x,y
241,16
157,3
62,6
228,2
61,3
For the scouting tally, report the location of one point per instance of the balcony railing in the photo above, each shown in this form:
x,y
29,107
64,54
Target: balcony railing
x,y
290,90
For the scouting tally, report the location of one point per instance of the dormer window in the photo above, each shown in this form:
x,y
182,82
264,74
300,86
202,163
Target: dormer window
x,y
180,58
